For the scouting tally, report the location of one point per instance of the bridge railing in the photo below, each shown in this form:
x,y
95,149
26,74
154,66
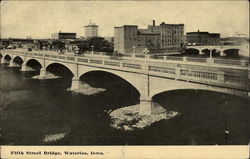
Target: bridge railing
x,y
142,57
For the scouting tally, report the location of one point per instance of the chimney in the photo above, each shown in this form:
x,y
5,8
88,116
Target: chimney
x,y
153,22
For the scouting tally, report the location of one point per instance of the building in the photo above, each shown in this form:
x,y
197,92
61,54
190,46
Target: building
x,y
171,36
235,41
164,38
203,38
91,30
63,36
149,40
130,39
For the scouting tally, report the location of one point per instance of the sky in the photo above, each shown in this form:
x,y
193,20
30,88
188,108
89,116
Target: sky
x,y
39,19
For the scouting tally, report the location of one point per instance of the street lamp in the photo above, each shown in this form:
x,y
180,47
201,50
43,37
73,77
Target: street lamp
x,y
145,51
92,46
210,53
133,47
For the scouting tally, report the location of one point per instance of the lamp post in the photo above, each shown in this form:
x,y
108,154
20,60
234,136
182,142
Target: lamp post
x,y
145,51
92,52
133,47
210,53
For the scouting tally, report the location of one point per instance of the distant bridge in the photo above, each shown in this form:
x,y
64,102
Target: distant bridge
x,y
149,76
220,48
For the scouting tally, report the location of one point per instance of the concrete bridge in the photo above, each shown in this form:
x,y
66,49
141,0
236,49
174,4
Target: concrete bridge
x,y
220,48
149,76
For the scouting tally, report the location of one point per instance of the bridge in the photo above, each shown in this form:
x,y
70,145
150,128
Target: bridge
x,y
149,76
221,48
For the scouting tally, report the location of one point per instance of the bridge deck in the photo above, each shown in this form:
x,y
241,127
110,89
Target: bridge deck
x,y
221,73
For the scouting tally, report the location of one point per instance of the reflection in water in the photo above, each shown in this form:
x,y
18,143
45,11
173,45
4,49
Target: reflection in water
x,y
32,109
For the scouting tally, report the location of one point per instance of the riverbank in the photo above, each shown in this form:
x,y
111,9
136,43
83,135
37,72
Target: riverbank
x,y
128,118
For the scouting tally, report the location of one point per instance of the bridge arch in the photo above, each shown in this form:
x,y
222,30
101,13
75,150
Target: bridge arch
x,y
117,74
58,68
197,89
215,51
34,63
231,51
70,67
158,86
7,57
209,88
192,50
18,59
205,51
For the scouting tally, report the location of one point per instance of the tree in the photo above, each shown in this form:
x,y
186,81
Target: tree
x,y
58,45
99,43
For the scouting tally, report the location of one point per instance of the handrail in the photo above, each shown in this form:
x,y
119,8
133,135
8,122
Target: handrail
x,y
241,63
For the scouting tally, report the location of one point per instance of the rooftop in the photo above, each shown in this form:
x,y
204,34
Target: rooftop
x,y
91,25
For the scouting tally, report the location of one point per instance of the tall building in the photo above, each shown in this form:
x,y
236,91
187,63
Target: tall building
x,y
129,39
171,36
63,36
203,38
157,39
91,30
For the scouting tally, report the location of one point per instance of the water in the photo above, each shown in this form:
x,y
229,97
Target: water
x,y
43,112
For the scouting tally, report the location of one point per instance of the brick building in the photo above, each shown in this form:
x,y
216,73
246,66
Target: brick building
x,y
203,38
157,39
63,36
129,39
171,36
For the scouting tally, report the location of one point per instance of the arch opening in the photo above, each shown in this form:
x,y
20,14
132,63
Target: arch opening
x,y
188,100
60,70
232,52
7,57
34,64
206,52
215,52
192,51
178,100
118,91
18,60
206,112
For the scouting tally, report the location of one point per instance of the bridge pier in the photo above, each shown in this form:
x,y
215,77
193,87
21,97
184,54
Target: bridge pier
x,y
145,107
149,107
222,53
3,60
42,73
201,53
11,64
23,67
75,84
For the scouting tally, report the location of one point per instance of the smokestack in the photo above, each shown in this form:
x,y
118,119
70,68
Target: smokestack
x,y
153,22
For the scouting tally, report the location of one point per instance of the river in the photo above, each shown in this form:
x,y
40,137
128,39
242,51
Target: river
x,y
33,109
